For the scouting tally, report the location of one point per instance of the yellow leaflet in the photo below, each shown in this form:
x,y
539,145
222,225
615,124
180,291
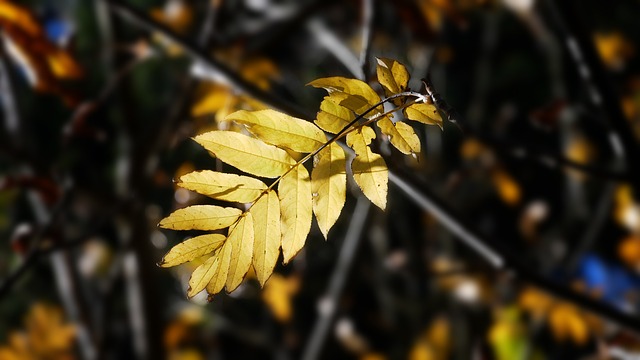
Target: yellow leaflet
x,y
241,239
245,153
221,186
329,186
424,113
191,249
217,281
281,130
401,136
392,75
201,217
266,227
333,117
369,169
294,191
353,94
202,275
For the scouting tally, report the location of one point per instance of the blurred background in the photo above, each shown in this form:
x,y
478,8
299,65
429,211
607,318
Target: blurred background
x,y
99,100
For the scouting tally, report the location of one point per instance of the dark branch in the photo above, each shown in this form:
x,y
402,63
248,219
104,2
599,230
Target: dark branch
x,y
225,73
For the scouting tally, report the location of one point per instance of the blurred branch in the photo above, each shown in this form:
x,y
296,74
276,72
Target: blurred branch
x,y
9,104
327,38
592,71
225,73
593,230
368,15
500,257
328,304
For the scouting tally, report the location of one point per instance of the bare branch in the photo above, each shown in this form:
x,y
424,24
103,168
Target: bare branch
x,y
329,303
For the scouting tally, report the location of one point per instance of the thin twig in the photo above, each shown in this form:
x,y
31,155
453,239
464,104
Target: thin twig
x,y
329,302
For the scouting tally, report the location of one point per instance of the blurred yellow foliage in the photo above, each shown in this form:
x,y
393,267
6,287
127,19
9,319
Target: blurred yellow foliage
x,y
176,14
180,331
507,187
507,335
45,337
434,343
614,49
44,63
278,293
566,321
581,151
220,100
629,251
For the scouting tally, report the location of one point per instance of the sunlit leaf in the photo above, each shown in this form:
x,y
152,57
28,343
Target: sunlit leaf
x,y
353,94
280,129
401,135
332,117
329,186
294,191
369,169
392,75
201,217
222,186
241,238
219,278
202,275
424,113
191,249
245,153
266,227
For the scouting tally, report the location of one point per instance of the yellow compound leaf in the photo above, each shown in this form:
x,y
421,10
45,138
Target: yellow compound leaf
x,y
424,113
202,275
191,249
333,117
294,191
401,136
369,169
353,94
392,75
266,227
329,186
241,237
201,217
245,153
281,130
219,278
221,186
